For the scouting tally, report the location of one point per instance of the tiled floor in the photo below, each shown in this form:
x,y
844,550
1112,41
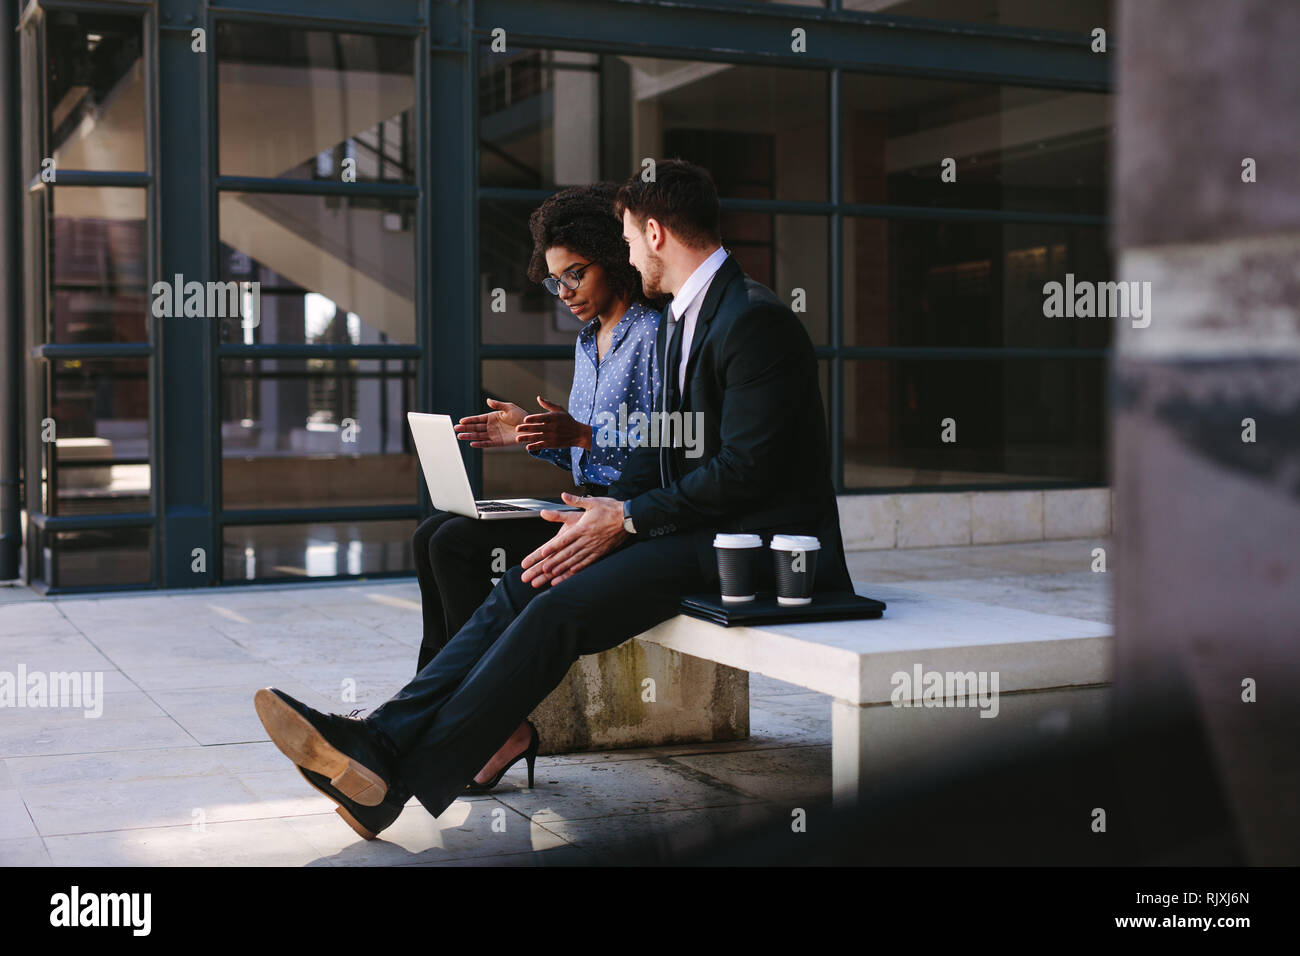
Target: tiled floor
x,y
178,771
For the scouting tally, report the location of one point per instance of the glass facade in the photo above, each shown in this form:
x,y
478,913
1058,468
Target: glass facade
x,y
1077,16
244,265
1066,15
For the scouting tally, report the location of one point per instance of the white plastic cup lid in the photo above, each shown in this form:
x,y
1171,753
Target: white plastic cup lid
x,y
737,541
795,542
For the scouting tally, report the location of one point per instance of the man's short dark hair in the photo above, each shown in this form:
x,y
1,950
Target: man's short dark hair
x,y
578,219
682,197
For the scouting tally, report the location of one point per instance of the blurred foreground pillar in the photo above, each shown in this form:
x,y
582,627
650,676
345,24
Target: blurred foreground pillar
x,y
1207,525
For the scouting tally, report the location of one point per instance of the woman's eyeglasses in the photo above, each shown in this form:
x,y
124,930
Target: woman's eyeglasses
x,y
570,279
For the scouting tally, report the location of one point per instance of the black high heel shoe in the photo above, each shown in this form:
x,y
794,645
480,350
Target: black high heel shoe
x,y
530,755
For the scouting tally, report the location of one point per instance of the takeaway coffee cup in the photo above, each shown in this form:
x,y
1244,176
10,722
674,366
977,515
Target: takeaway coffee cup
x,y
795,556
737,565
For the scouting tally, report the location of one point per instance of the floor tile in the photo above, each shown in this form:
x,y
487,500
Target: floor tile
x,y
34,619
553,856
581,791
177,801
90,736
673,830
808,710
760,685
164,676
239,843
286,792
783,777
466,829
118,766
15,821
51,652
94,705
29,851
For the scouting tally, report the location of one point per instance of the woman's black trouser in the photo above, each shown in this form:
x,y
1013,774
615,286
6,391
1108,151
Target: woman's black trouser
x,y
457,561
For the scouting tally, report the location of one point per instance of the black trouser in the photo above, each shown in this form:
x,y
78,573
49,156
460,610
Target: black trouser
x,y
457,559
516,648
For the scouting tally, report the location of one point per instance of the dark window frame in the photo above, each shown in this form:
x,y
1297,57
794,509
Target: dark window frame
x,y
180,152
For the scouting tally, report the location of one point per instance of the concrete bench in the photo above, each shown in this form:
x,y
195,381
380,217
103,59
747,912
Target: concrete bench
x,y
1050,671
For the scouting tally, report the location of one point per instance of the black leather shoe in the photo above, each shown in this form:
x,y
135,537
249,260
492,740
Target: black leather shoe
x,y
366,821
343,750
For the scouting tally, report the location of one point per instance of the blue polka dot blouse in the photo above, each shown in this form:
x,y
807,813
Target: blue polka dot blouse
x,y
606,393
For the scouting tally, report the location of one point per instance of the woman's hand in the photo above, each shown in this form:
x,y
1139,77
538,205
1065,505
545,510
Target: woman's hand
x,y
494,429
553,428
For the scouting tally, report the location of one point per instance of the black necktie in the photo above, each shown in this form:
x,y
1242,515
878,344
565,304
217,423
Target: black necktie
x,y
674,362
673,357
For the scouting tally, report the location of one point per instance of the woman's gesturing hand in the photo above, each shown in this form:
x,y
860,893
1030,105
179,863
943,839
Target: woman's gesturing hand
x,y
492,429
553,428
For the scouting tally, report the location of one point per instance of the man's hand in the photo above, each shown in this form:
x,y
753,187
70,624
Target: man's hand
x,y
553,428
585,538
493,429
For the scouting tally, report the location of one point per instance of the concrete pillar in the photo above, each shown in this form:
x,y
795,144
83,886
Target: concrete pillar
x,y
1207,526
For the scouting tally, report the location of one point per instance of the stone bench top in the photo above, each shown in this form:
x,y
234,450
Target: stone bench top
x,y
855,661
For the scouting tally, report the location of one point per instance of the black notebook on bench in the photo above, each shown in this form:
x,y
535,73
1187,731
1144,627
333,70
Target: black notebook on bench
x,y
825,606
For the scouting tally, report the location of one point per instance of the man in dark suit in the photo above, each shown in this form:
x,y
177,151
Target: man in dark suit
x,y
737,360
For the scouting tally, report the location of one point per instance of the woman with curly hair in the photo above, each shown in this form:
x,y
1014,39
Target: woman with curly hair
x,y
580,256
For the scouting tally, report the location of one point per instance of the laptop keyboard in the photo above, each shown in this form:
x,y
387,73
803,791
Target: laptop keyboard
x,y
498,506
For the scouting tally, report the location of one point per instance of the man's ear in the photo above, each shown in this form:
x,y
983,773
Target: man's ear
x,y
655,236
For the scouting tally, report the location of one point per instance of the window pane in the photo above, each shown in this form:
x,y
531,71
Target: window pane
x,y
97,267
1077,16
331,269
338,549
100,413
1036,421
529,313
976,284
787,254
94,91
95,559
298,103
556,118
299,433
1014,147
512,472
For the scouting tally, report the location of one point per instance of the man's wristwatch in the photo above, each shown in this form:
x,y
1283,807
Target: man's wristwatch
x,y
627,519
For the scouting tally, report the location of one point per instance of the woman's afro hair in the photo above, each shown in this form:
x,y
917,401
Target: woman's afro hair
x,y
582,220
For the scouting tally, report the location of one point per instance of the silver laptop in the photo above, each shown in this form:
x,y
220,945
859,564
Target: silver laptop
x,y
444,473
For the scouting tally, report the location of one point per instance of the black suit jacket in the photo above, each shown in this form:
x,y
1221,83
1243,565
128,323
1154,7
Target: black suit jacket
x,y
765,463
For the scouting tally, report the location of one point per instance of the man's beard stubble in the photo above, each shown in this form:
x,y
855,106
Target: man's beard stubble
x,y
651,278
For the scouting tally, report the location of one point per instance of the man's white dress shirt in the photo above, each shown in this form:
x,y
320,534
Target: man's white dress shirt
x,y
686,304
